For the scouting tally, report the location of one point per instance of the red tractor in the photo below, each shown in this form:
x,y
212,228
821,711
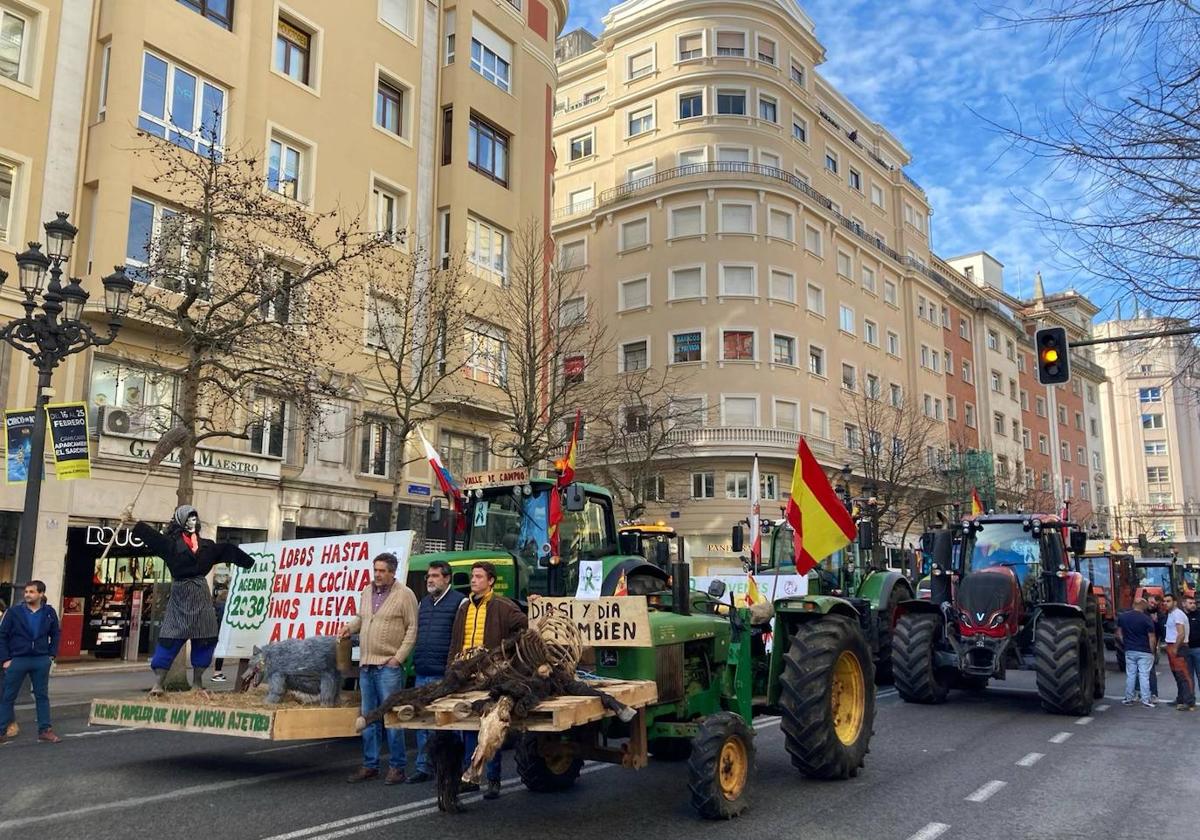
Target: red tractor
x,y
1114,581
1003,595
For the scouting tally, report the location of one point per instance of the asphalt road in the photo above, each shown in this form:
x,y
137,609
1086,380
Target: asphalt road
x,y
979,767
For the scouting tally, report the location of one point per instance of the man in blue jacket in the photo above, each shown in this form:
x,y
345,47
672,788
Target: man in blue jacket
x,y
435,622
28,644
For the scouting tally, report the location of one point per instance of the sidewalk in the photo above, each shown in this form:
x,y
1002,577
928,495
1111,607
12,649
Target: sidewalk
x,y
86,665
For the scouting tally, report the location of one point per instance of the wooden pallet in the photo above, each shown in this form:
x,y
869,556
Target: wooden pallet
x,y
268,723
554,715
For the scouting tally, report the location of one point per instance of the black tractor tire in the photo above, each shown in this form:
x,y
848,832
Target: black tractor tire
x,y
720,766
827,666
1119,650
917,680
1092,616
883,661
1063,661
540,775
670,749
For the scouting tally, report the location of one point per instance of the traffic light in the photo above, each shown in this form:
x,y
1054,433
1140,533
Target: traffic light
x,y
1053,365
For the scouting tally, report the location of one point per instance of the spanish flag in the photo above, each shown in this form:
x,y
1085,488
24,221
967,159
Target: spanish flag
x,y
753,593
821,521
622,587
567,473
976,502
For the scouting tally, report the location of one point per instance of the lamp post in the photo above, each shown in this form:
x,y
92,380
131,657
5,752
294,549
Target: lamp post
x,y
49,336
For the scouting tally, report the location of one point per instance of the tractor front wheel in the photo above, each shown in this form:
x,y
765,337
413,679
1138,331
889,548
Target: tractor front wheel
x,y
547,766
719,767
917,680
1063,660
827,698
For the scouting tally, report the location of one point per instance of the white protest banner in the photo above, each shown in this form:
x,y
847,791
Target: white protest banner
x,y
301,588
773,587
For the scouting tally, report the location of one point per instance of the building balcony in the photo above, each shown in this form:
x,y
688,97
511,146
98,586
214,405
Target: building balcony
x,y
748,440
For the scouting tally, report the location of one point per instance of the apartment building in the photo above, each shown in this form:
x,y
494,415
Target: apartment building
x,y
429,119
1149,405
741,222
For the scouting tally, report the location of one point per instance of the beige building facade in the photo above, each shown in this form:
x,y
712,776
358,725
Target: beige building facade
x,y
428,120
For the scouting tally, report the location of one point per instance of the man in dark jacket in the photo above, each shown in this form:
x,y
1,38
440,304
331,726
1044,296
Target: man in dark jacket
x,y
28,645
435,625
484,620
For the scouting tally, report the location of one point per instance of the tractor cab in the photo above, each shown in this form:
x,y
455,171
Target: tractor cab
x,y
643,538
1154,577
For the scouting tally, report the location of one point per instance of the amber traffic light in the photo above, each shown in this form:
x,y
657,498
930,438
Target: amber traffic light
x,y
1053,365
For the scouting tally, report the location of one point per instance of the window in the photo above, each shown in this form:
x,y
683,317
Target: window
x,y
845,265
572,255
818,422
691,104
275,301
635,234
799,129
781,224
969,415
687,412
1095,460
391,211
389,108
739,411
870,332
998,423
635,419
1024,400
463,454
731,102
873,386
687,282
952,407
487,355
963,331
893,343
1079,420
1147,395
997,382
816,299
487,150
925,356
451,26
812,240
180,106
641,64
687,347
691,46
816,360
375,458
877,195
491,55
768,109
798,74
768,486
694,157
634,356
895,395
846,319
574,369
868,279
686,221
635,294
146,395
783,350
855,179
704,485
573,311
737,218
1043,445
1040,406
1153,421
738,280
293,49
1064,451
285,169
993,340
737,345
268,430
731,43
967,374
641,120
849,377
1062,415
1155,447
487,250
787,415
8,189
733,154
582,146
889,292
1021,362
219,12
1157,475
580,200
1091,393
737,485
782,286
1081,455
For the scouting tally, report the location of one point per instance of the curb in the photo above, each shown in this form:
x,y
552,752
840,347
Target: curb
x,y
130,667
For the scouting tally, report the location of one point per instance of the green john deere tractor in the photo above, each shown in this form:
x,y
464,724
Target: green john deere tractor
x,y
716,666
850,576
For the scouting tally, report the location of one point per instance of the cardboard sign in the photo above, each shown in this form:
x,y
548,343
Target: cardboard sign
x,y
603,622
69,431
495,478
302,588
18,444
215,721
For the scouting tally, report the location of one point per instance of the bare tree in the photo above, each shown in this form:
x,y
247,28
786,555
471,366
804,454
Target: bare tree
x,y
239,279
416,314
553,341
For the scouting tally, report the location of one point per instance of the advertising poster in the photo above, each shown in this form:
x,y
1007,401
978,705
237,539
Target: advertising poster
x,y
302,588
18,445
69,432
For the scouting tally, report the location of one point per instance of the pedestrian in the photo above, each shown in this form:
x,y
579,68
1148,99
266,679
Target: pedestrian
x,y
484,620
1135,632
435,625
386,625
1193,649
29,635
1177,641
1154,610
220,598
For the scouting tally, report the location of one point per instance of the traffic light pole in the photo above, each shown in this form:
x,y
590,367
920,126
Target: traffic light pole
x,y
1088,342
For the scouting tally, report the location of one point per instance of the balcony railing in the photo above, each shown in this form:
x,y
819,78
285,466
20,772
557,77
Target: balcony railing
x,y
911,180
748,438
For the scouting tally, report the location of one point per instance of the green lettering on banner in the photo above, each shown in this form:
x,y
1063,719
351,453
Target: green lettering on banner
x,y
179,717
160,714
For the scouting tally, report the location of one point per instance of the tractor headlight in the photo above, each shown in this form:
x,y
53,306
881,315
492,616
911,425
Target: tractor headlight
x,y
964,618
998,619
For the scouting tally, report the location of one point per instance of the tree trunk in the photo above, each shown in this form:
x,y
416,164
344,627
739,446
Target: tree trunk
x,y
188,407
397,467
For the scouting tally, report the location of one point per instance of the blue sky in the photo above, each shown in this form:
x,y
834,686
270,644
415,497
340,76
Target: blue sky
x,y
920,68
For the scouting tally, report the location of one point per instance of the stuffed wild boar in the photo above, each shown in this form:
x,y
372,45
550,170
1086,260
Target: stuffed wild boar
x,y
305,666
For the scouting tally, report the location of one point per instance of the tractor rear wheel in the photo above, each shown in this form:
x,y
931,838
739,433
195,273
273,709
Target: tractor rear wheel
x,y
720,765
547,766
1096,627
883,663
827,698
917,680
1063,660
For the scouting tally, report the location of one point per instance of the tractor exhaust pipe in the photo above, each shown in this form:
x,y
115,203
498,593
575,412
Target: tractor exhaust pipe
x,y
681,587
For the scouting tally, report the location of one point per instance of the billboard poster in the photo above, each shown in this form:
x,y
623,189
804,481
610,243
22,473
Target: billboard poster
x,y
18,444
69,432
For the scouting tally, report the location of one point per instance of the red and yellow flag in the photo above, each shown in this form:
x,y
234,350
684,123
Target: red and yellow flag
x,y
976,502
567,465
566,474
821,521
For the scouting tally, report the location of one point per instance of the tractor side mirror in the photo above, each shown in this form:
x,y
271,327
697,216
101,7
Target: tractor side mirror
x,y
435,511
662,554
941,549
716,590
576,499
737,539
628,543
866,535
1078,542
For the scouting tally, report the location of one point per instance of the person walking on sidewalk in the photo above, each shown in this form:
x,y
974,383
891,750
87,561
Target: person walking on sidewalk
x,y
386,625
1135,632
1192,653
1177,642
435,624
29,635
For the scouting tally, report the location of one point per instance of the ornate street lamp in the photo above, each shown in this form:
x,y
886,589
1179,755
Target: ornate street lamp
x,y
47,337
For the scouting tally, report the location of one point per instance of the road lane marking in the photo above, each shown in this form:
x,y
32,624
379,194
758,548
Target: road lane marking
x,y
891,692
1060,738
1102,707
931,831
987,791
1084,721
283,749
1031,759
94,732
